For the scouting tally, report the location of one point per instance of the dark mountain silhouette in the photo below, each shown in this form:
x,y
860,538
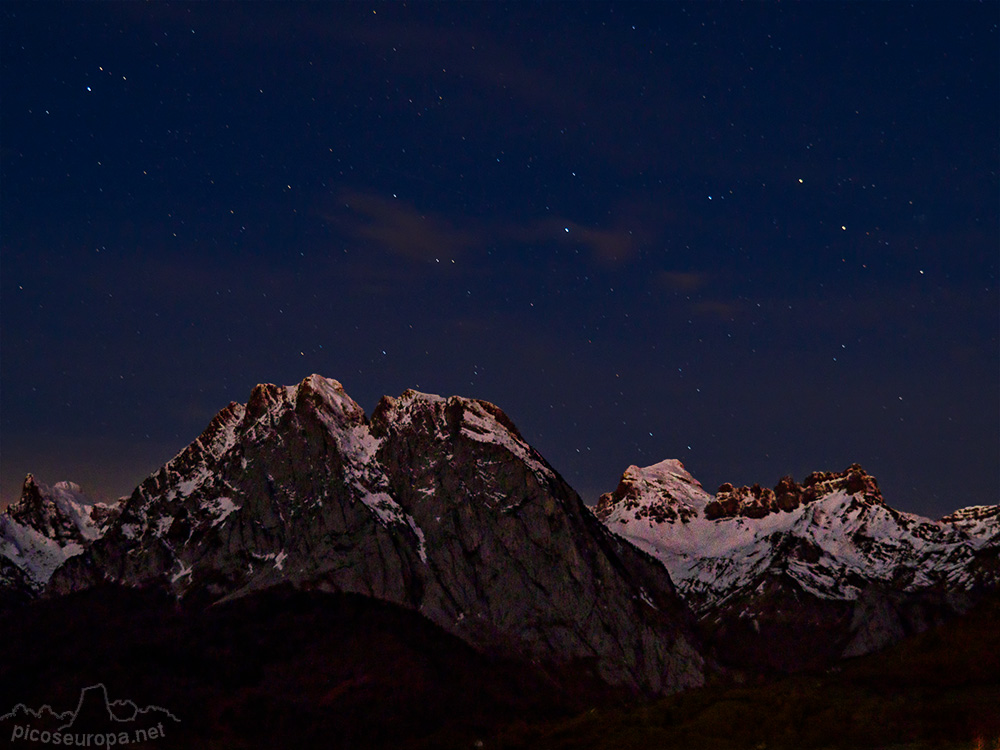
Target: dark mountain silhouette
x,y
280,668
43,718
95,721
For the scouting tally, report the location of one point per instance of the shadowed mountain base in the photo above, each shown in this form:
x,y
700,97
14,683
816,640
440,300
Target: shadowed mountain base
x,y
292,669
939,689
280,668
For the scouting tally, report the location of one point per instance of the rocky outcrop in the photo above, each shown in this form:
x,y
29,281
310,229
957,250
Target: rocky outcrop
x,y
661,493
787,495
437,504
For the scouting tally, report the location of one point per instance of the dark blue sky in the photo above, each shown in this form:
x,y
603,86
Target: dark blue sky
x,y
762,239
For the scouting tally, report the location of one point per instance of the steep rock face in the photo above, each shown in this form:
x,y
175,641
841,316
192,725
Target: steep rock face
x,y
827,558
15,587
284,488
436,504
43,529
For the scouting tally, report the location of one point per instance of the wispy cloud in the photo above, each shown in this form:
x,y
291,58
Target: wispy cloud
x,y
681,281
399,228
724,310
606,246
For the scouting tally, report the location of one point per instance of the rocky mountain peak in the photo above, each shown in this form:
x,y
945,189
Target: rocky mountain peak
x,y
30,507
62,512
663,492
323,396
456,419
854,480
757,502
412,404
980,522
437,504
45,527
751,559
329,396
410,408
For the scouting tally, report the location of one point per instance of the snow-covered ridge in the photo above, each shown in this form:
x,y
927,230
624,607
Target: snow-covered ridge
x,y
662,492
980,522
482,423
478,420
48,525
831,534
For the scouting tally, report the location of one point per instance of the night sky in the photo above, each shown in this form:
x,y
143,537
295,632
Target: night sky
x,y
761,239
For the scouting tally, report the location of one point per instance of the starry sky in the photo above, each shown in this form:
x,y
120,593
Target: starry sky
x,y
759,238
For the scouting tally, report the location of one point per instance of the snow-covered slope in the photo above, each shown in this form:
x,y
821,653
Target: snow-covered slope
x,y
979,522
833,535
47,526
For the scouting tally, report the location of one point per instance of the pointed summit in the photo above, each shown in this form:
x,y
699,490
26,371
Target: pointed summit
x,y
44,528
663,492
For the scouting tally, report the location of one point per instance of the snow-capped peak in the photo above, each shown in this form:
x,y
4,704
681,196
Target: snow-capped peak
x,y
671,476
471,418
48,525
654,494
829,533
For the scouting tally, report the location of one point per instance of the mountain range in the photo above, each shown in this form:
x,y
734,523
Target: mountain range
x,y
440,507
435,504
804,574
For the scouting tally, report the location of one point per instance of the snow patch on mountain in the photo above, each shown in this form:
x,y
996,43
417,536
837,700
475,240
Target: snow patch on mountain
x,y
421,540
221,507
279,560
183,571
387,509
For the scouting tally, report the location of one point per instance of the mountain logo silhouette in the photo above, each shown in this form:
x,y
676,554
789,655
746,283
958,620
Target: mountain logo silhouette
x,y
95,714
95,711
